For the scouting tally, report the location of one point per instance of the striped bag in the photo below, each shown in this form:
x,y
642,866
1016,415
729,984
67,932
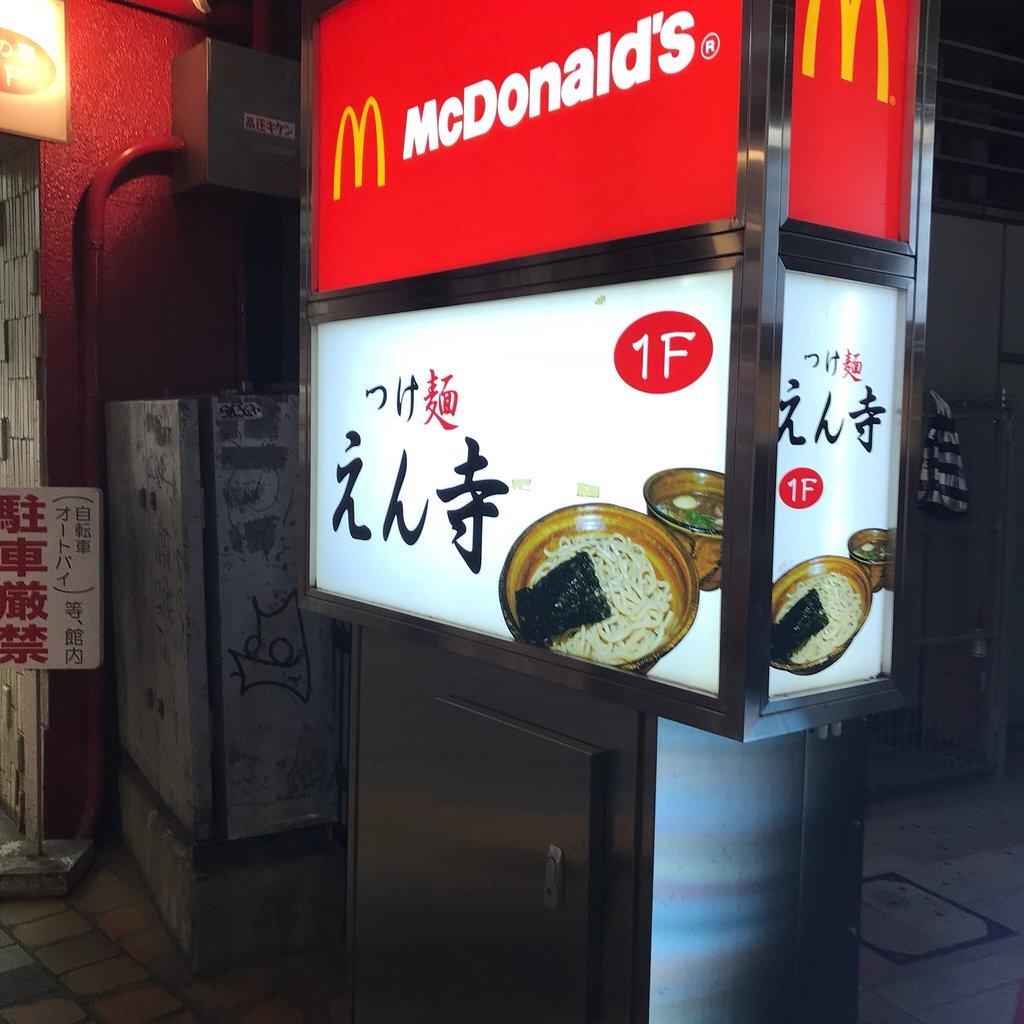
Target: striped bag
x,y
942,490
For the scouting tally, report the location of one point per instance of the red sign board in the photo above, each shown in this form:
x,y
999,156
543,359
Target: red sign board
x,y
853,73
445,138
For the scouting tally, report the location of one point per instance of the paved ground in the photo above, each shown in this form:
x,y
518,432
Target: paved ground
x,y
942,920
943,905
102,956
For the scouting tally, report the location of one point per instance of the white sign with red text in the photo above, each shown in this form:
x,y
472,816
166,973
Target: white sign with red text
x,y
838,462
439,436
51,607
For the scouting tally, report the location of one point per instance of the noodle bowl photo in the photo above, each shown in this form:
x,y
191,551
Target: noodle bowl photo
x,y
691,503
818,607
599,582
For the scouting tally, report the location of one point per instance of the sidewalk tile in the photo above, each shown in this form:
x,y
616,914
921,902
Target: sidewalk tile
x,y
993,1007
79,951
116,857
171,970
5,939
873,1009
104,976
20,911
24,983
12,957
274,1011
137,1007
49,1011
96,878
50,929
124,921
147,944
227,990
108,897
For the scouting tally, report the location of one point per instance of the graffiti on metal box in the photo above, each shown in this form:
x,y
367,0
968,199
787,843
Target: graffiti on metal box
x,y
276,653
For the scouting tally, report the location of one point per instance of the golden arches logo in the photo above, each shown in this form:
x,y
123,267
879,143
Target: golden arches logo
x,y
849,18
358,126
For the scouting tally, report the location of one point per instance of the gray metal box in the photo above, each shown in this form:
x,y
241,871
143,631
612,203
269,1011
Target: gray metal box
x,y
227,690
272,680
237,111
155,525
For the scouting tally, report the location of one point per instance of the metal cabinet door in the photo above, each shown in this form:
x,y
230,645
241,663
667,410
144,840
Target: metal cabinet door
x,y
455,915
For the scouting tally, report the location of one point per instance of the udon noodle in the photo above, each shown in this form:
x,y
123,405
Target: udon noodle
x,y
640,602
843,608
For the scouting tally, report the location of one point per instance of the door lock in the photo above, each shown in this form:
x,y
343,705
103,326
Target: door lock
x,y
553,878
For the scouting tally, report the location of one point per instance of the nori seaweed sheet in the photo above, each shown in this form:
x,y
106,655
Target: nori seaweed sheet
x,y
797,626
570,595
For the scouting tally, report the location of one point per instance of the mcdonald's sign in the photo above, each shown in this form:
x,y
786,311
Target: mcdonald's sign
x,y
849,132
849,19
356,126
490,145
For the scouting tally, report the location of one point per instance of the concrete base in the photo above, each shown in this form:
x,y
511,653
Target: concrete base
x,y
53,875
231,904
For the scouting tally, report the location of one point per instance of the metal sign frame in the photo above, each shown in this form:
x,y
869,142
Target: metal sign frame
x,y
760,242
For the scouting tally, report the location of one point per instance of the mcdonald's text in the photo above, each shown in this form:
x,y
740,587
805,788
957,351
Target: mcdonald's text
x,y
587,72
440,142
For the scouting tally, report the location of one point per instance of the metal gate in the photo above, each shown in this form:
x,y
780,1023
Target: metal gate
x,y
957,726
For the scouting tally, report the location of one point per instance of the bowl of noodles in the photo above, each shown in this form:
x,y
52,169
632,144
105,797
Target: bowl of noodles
x,y
818,607
872,550
644,584
691,503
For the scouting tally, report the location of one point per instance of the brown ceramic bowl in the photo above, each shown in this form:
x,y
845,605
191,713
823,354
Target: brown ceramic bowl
x,y
878,570
705,545
670,563
809,570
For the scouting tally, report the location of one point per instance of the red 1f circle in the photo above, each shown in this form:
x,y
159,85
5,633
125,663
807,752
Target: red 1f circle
x,y
663,352
801,487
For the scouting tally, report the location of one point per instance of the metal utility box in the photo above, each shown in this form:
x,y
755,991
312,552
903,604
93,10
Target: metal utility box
x,y
701,879
227,691
237,111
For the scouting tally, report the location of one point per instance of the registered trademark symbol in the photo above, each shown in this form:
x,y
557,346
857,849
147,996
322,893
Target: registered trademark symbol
x,y
710,45
892,101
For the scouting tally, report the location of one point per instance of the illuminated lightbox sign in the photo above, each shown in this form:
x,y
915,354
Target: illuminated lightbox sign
x,y
444,138
51,606
34,69
485,465
853,76
837,483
